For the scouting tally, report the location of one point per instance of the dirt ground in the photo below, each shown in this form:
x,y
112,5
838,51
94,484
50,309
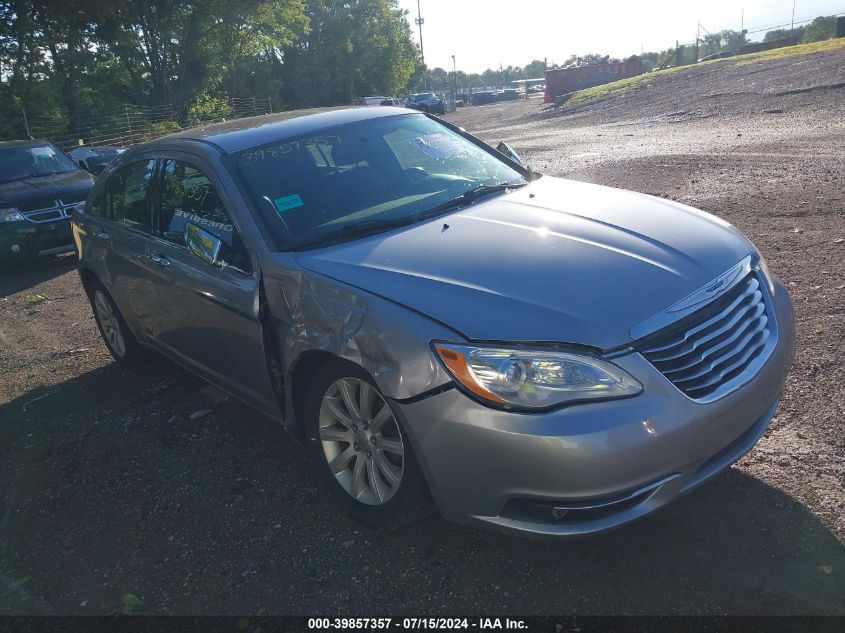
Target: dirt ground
x,y
155,485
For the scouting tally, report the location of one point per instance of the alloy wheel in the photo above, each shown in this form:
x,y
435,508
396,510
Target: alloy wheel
x,y
109,323
361,441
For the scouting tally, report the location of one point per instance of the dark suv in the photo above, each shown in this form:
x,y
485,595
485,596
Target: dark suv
x,y
426,102
40,186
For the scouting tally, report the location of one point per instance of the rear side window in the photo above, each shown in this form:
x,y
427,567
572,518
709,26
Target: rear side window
x,y
188,195
128,195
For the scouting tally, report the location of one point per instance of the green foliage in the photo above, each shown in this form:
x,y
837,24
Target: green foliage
x,y
725,40
208,108
822,28
78,61
129,602
151,131
779,34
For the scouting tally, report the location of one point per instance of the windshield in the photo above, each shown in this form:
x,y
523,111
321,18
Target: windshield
x,y
17,163
367,176
426,96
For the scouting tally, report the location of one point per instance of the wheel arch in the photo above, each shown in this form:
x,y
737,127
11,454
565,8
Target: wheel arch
x,y
301,370
89,280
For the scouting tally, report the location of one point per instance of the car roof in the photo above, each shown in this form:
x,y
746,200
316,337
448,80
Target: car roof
x,y
23,143
241,134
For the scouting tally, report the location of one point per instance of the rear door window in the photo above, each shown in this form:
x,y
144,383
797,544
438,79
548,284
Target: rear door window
x,y
127,199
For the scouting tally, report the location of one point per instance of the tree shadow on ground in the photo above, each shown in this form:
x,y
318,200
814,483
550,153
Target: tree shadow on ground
x,y
28,274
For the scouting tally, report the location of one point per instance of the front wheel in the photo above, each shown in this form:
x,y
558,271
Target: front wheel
x,y
363,454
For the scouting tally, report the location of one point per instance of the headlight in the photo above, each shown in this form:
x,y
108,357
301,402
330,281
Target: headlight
x,y
11,215
534,379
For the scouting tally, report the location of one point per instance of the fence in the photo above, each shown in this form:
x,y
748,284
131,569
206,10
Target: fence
x,y
132,124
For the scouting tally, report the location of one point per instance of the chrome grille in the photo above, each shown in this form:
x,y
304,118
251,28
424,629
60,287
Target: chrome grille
x,y
711,351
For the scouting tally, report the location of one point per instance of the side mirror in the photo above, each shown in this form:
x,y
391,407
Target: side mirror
x,y
507,150
202,244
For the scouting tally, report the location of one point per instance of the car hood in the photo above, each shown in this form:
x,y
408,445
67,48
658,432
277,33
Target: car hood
x,y
557,260
35,193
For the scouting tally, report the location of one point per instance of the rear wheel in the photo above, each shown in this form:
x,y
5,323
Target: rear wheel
x,y
363,454
119,340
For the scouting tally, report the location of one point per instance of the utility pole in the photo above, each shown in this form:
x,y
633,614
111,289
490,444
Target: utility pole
x,y
26,122
420,23
454,81
697,34
792,26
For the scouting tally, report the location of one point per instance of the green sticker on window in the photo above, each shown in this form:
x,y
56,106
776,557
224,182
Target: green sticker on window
x,y
285,203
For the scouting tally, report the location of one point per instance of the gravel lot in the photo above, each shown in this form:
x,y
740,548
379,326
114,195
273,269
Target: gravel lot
x,y
157,485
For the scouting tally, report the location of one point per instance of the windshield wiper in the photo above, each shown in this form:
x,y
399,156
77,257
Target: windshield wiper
x,y
469,196
360,229
368,227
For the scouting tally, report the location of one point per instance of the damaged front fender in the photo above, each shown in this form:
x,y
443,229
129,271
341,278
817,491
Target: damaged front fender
x,y
309,313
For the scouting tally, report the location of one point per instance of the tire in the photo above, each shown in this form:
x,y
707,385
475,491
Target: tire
x,y
119,340
366,460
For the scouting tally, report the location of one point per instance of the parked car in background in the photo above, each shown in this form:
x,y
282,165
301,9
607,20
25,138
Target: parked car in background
x,y
426,102
436,321
40,186
722,55
371,101
482,97
94,159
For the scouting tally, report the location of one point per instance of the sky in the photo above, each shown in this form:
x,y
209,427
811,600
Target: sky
x,y
484,33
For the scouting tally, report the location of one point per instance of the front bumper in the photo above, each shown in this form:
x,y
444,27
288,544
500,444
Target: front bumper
x,y
591,467
20,241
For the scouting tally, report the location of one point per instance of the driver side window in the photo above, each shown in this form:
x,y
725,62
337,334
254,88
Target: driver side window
x,y
188,195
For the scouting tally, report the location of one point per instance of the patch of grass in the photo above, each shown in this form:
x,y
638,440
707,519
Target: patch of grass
x,y
791,51
35,299
625,85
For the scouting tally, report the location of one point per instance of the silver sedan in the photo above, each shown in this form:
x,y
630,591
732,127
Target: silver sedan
x,y
442,326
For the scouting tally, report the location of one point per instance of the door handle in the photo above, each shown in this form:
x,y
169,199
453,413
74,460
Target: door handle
x,y
101,234
161,260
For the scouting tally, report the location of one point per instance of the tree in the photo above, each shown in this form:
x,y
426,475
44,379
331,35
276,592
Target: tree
x,y
779,34
822,28
535,69
248,28
725,40
355,48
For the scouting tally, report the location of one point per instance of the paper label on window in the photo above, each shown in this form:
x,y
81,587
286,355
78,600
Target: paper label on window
x,y
43,152
285,203
438,146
